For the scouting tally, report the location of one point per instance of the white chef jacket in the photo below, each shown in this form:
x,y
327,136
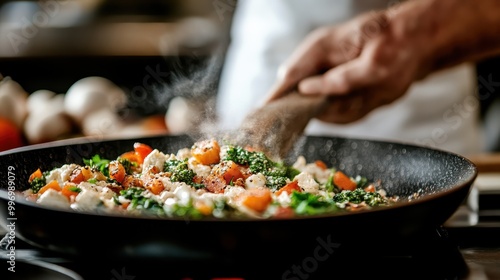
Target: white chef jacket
x,y
441,111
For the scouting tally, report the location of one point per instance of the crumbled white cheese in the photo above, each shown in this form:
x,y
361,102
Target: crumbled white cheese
x,y
109,203
255,181
223,151
198,168
89,186
183,153
233,193
107,193
307,183
300,163
53,198
169,205
155,158
86,200
321,175
168,185
123,200
62,174
183,194
210,196
164,195
284,199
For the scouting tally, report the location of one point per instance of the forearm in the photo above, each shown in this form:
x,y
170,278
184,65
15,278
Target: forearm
x,y
453,31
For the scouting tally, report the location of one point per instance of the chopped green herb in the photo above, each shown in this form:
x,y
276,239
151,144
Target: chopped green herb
x,y
92,180
276,173
329,186
127,164
310,204
74,189
180,171
37,184
359,195
184,211
139,201
98,163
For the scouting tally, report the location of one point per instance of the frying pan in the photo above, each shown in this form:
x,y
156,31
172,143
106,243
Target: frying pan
x,y
441,179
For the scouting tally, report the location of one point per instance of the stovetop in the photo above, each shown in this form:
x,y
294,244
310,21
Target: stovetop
x,y
436,255
466,247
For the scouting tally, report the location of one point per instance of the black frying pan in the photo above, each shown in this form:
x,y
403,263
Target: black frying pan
x,y
443,180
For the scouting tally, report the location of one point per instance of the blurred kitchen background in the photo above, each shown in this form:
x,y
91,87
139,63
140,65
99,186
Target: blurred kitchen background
x,y
106,67
78,68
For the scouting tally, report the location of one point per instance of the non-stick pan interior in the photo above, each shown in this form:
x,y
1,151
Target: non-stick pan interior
x,y
402,169
442,179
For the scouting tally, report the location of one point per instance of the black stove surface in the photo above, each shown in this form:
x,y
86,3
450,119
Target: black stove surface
x,y
434,256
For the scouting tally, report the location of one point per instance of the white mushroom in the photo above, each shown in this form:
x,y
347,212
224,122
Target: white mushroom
x,y
101,122
48,120
90,94
38,99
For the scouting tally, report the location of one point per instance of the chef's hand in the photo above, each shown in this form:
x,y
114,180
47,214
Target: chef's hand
x,y
363,64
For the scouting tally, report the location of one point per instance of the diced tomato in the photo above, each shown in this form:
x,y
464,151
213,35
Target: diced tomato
x,y
155,186
257,199
370,188
289,188
142,150
341,180
231,172
76,176
245,171
131,156
68,191
87,173
10,135
51,185
117,171
206,152
215,183
80,175
131,181
321,164
36,174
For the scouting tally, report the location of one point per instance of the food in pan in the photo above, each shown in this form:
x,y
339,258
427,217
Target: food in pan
x,y
207,180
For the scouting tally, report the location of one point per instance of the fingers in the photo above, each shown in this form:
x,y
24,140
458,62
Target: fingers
x,y
343,79
308,59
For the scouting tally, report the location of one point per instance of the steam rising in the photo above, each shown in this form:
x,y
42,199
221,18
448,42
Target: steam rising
x,y
190,96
